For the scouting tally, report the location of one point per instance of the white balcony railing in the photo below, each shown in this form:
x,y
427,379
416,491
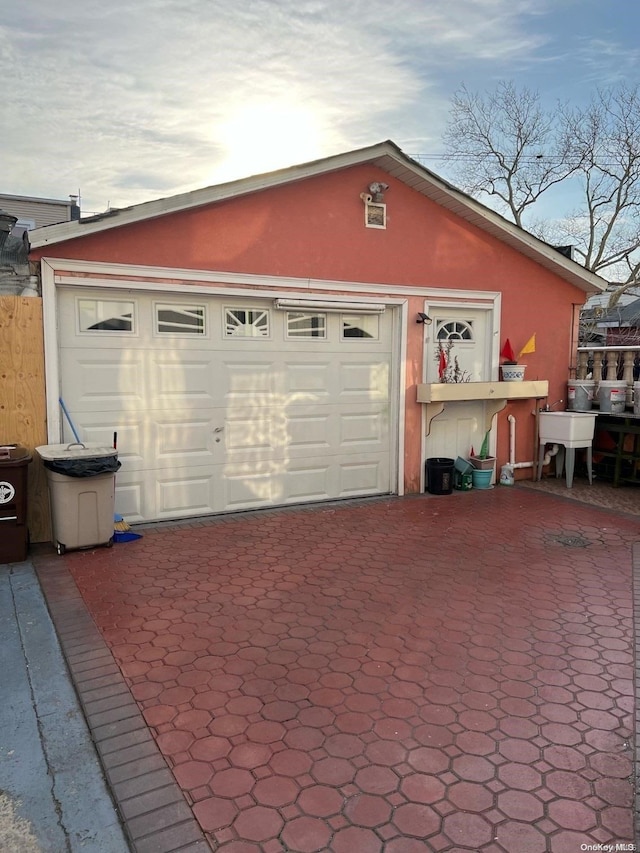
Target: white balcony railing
x,y
609,363
620,363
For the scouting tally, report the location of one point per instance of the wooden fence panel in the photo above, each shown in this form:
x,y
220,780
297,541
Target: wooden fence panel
x,y
22,397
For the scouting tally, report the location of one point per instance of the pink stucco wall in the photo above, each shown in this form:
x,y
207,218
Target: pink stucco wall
x,y
315,229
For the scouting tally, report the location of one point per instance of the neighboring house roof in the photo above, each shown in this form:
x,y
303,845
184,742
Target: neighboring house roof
x,y
598,303
385,155
39,212
621,315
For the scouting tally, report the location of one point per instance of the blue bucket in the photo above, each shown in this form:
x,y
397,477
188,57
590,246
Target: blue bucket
x,y
481,479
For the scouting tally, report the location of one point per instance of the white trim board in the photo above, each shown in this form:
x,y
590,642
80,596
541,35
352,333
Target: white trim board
x,y
129,275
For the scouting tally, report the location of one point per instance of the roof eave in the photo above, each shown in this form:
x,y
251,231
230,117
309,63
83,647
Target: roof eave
x,y
508,232
197,198
387,156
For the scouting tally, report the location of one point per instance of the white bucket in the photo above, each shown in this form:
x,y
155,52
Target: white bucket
x,y
636,399
612,396
580,395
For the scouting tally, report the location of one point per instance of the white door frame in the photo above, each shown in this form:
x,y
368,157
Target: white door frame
x,y
58,272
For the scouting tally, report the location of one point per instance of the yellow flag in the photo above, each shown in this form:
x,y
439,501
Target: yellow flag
x,y
530,346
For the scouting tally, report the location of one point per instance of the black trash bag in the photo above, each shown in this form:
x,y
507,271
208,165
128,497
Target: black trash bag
x,y
87,467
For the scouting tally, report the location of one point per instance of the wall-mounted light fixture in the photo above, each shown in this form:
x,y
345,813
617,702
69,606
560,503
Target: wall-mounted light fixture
x,y
375,194
424,318
377,190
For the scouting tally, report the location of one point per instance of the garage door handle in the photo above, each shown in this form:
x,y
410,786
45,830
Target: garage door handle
x,y
218,429
9,518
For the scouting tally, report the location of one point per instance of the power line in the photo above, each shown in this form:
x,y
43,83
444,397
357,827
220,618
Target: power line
x,y
526,160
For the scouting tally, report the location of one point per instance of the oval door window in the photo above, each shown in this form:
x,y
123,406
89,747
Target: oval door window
x,y
453,338
455,330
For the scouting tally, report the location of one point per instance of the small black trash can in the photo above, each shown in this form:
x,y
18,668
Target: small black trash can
x,y
439,475
14,533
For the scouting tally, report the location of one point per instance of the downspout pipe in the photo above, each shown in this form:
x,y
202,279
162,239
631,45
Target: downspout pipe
x,y
512,449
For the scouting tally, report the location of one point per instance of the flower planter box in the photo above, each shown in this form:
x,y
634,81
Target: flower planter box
x,y
483,464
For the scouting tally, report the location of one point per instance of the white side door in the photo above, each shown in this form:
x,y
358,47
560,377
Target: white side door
x,y
457,349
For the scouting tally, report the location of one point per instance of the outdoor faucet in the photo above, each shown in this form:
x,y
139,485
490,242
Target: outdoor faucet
x,y
549,408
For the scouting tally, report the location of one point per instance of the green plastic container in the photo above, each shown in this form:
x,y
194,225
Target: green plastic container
x,y
462,482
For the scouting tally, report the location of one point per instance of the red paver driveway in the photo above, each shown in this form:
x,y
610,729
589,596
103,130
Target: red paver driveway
x,y
419,674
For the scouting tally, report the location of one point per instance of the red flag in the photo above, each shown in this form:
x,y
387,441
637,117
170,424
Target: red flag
x,y
442,363
507,351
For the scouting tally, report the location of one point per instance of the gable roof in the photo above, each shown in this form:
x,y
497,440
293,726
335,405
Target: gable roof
x,y
385,155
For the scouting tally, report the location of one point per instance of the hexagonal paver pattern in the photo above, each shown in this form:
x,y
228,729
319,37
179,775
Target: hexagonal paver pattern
x,y
424,674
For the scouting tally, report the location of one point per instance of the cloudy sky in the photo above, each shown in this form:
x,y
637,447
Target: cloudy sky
x,y
129,100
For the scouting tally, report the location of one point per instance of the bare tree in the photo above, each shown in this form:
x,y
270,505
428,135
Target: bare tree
x,y
605,139
505,145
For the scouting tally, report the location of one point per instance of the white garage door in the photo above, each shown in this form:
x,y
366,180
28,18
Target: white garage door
x,y
223,404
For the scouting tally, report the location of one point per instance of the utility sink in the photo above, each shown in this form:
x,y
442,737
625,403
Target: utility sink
x,y
568,428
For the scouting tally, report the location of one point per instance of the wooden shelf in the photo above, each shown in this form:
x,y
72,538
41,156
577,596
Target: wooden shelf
x,y
494,394
446,392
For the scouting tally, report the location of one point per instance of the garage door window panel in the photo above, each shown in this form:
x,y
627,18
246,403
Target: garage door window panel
x,y
363,327
247,323
303,324
106,315
177,319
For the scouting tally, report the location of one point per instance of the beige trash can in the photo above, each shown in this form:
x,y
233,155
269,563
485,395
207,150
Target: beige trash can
x,y
81,480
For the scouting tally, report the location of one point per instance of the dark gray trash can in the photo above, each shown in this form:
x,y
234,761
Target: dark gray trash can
x,y
439,475
14,533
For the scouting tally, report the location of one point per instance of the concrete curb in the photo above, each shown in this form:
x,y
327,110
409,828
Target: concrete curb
x,y
54,793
